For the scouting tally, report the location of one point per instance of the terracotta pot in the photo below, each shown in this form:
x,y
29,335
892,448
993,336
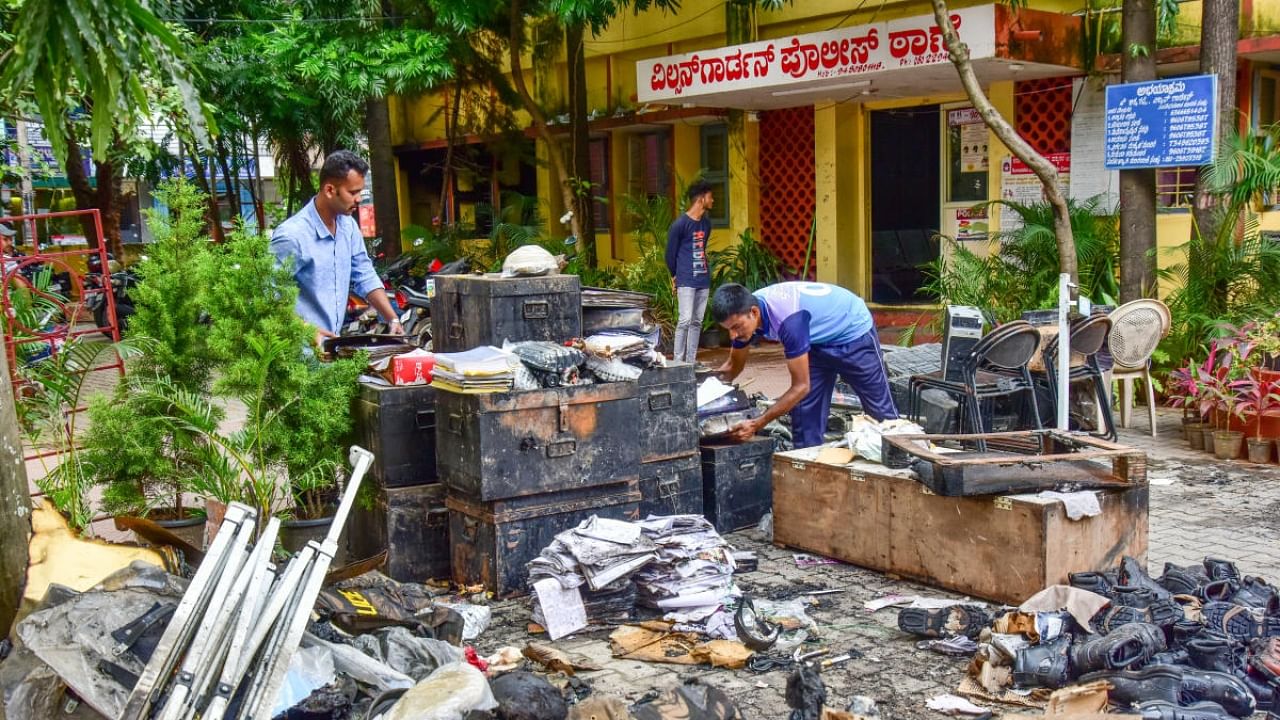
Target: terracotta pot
x,y
1259,450
1227,444
1192,432
214,512
1207,434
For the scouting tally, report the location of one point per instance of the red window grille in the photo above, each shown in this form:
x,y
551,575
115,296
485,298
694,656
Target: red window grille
x,y
1042,112
787,184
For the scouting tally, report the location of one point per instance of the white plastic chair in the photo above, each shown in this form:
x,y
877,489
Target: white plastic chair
x,y
1136,329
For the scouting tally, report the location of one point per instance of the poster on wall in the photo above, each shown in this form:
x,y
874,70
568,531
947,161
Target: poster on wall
x,y
974,138
1018,184
971,224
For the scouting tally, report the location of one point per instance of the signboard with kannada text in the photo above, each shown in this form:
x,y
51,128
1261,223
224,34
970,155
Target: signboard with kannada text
x,y
1161,123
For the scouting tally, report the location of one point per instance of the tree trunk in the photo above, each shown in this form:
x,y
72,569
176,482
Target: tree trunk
x,y
229,186
1219,31
211,219
576,57
81,190
15,505
299,168
1042,168
1138,187
451,141
107,200
514,44
386,208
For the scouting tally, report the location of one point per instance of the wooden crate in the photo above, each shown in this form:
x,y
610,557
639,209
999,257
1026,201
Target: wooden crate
x,y
1002,548
1014,462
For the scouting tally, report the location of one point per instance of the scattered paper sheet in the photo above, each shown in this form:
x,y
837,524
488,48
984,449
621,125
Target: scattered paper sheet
x,y
954,705
1082,604
1078,504
621,532
562,610
712,389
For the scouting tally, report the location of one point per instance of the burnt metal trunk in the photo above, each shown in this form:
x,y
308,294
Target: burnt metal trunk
x,y
671,487
398,425
493,542
737,483
474,310
507,445
668,412
412,525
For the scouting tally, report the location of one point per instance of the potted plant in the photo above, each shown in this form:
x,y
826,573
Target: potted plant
x,y
1208,399
1227,443
1182,394
1256,397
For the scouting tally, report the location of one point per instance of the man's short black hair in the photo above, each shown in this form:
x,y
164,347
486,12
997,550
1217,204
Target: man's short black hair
x,y
731,299
339,165
697,190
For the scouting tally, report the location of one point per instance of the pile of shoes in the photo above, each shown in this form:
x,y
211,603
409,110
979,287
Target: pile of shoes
x,y
1198,643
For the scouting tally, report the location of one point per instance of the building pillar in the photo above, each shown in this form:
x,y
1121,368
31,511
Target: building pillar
x,y
841,244
744,173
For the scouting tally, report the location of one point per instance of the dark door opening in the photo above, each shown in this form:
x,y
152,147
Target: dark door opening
x,y
905,201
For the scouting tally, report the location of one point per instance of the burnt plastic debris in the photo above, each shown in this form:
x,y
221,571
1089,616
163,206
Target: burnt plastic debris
x,y
524,696
806,694
754,631
689,702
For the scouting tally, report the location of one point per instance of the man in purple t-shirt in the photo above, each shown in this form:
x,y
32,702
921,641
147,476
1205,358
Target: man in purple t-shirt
x,y
825,331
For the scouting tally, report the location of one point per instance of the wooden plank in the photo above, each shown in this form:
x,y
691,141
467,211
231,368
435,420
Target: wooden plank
x,y
1098,543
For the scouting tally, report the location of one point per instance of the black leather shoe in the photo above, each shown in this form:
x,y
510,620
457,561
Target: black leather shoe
x,y
1218,653
1224,689
1131,687
1183,580
1183,631
1045,665
967,620
1127,646
1219,590
1160,710
1171,657
1256,593
1133,596
1095,582
1133,574
1264,692
1221,569
1238,621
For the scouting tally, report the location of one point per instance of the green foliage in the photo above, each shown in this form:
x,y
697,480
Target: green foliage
x,y
312,432
104,50
747,262
167,300
1023,275
650,218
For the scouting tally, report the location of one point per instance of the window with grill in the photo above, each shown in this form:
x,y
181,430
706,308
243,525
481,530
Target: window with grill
x,y
1175,186
714,140
598,150
649,164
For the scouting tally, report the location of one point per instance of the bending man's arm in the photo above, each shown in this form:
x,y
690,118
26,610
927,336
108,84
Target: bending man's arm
x,y
799,369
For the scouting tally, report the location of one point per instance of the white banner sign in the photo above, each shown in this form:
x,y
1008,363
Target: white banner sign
x,y
798,59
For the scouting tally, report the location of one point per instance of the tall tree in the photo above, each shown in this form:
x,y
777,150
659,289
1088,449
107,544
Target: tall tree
x,y
1138,187
1219,31
580,144
15,505
1043,169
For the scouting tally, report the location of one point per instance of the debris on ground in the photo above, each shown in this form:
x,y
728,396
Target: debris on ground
x,y
524,696
450,693
657,642
557,660
689,702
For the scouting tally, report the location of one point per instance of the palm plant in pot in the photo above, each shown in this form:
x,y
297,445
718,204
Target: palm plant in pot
x,y
1255,397
1181,389
1209,381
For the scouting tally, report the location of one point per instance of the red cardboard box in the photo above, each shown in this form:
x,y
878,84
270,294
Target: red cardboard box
x,y
411,368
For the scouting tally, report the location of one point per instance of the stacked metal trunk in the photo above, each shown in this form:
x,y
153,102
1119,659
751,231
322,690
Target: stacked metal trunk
x,y
403,511
670,475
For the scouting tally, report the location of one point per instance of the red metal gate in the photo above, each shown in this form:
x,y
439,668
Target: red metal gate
x,y
84,275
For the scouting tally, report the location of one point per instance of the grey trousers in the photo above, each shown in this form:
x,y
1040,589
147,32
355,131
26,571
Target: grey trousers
x,y
693,304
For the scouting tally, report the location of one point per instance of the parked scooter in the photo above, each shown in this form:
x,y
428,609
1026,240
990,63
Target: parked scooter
x,y
119,283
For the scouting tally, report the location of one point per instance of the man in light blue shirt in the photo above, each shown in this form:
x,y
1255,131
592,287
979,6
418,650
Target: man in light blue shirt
x,y
323,246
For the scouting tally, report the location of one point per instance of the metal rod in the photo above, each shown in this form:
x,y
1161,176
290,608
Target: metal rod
x,y
1064,352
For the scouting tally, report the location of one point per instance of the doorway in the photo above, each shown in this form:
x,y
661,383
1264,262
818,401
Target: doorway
x,y
905,201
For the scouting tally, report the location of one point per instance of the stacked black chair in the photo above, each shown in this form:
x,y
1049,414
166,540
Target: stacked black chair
x,y
997,367
1087,337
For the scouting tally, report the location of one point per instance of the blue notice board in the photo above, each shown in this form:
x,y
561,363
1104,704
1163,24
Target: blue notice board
x,y
1162,123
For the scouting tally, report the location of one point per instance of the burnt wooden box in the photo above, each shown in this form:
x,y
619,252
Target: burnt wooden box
x,y
1002,548
668,412
411,524
1014,462
505,445
398,425
671,487
473,310
493,542
737,488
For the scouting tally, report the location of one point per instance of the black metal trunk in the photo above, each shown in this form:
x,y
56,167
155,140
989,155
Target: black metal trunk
x,y
668,412
398,425
509,445
671,487
473,310
412,525
493,542
737,483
